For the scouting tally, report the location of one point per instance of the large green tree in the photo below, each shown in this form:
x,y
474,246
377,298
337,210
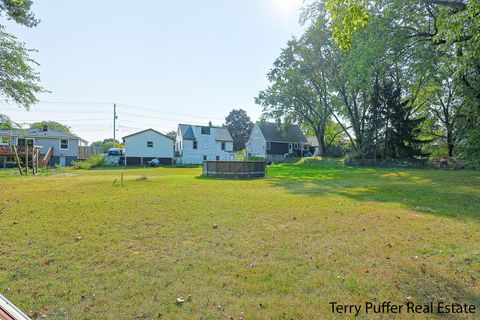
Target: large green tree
x,y
52,125
107,144
6,123
19,82
453,25
240,126
299,90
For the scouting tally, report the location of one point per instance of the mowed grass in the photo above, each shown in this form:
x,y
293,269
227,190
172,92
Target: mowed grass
x,y
74,246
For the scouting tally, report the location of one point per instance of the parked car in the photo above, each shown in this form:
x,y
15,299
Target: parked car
x,y
115,152
153,163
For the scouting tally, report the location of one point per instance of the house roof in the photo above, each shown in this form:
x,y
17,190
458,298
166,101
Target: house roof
x,y
187,131
36,133
221,133
149,129
273,132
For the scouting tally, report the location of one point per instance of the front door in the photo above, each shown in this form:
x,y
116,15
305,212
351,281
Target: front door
x,y
63,162
290,148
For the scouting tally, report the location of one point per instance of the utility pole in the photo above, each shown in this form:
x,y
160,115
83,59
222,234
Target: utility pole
x,y
114,123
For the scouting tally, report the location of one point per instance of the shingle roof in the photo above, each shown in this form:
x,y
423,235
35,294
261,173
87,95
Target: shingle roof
x,y
291,133
221,133
38,133
187,131
150,129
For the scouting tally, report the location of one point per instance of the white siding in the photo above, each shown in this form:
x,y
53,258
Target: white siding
x,y
256,144
207,145
136,145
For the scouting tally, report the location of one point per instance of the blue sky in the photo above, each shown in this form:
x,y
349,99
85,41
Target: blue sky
x,y
162,62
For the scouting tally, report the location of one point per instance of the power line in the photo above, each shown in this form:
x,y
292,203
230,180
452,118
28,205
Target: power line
x,y
56,111
83,103
150,117
168,112
75,120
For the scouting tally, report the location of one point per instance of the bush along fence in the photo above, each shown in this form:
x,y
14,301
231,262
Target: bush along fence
x,y
446,164
235,169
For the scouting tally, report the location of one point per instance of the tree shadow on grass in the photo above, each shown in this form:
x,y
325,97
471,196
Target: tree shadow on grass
x,y
446,193
428,287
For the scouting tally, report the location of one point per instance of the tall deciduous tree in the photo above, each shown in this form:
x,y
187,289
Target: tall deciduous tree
x,y
6,123
299,82
52,125
172,134
19,82
107,144
240,126
451,24
446,106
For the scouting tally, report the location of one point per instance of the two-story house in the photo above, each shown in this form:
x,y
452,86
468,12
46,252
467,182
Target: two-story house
x,y
194,144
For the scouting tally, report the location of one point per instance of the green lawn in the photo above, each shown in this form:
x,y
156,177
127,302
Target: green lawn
x,y
72,246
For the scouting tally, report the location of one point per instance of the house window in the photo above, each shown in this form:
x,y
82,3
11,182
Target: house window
x,y
64,144
223,145
217,158
149,144
204,158
195,144
295,146
269,146
205,130
24,142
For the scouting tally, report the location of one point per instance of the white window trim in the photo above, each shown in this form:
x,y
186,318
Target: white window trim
x,y
60,144
223,146
295,146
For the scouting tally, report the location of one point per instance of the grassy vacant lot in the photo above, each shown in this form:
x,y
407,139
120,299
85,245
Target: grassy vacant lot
x,y
72,246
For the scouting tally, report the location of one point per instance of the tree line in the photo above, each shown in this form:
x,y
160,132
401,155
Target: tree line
x,y
397,78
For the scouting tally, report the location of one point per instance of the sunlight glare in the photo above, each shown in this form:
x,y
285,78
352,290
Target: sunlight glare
x,y
288,10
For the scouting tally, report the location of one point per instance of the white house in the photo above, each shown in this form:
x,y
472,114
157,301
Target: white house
x,y
146,145
194,144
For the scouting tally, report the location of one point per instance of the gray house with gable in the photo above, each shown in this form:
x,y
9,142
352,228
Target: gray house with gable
x,y
275,142
60,148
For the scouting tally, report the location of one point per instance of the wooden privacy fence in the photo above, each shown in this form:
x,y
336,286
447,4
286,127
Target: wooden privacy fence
x,y
85,152
235,169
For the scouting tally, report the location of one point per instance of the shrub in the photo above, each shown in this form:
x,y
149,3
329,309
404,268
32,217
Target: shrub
x,y
97,160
